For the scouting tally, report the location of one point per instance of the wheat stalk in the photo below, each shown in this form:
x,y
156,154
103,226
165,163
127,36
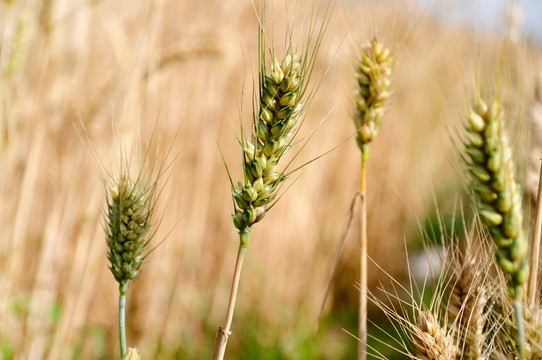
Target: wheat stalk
x,y
279,112
499,200
282,99
373,74
130,206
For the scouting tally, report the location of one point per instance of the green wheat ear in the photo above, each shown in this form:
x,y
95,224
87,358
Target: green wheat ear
x,y
130,207
499,198
281,101
129,210
275,127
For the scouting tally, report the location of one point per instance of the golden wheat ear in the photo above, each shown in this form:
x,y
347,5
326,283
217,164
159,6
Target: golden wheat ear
x,y
431,341
468,299
424,330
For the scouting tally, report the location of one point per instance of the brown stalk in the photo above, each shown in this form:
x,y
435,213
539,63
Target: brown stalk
x,y
222,334
535,247
362,347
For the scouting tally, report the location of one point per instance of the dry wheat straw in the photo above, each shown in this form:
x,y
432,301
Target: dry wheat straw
x,y
532,287
499,199
533,333
373,74
534,162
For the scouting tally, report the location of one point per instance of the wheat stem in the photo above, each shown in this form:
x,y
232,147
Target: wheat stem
x,y
535,247
520,323
223,333
234,287
122,325
362,347
373,73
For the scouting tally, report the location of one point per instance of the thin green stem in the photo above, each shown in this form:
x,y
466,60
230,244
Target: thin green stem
x,y
122,325
222,335
362,347
520,323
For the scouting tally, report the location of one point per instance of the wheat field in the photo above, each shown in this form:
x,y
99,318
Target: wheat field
x,y
83,80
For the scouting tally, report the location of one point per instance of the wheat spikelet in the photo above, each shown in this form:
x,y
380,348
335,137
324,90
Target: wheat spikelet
x,y
373,73
493,180
430,340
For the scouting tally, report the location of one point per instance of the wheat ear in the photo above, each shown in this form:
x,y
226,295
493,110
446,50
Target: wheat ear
x,y
469,296
430,340
279,111
499,199
129,208
281,101
373,74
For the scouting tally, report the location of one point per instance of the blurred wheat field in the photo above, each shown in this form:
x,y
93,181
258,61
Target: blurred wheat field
x,y
125,73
